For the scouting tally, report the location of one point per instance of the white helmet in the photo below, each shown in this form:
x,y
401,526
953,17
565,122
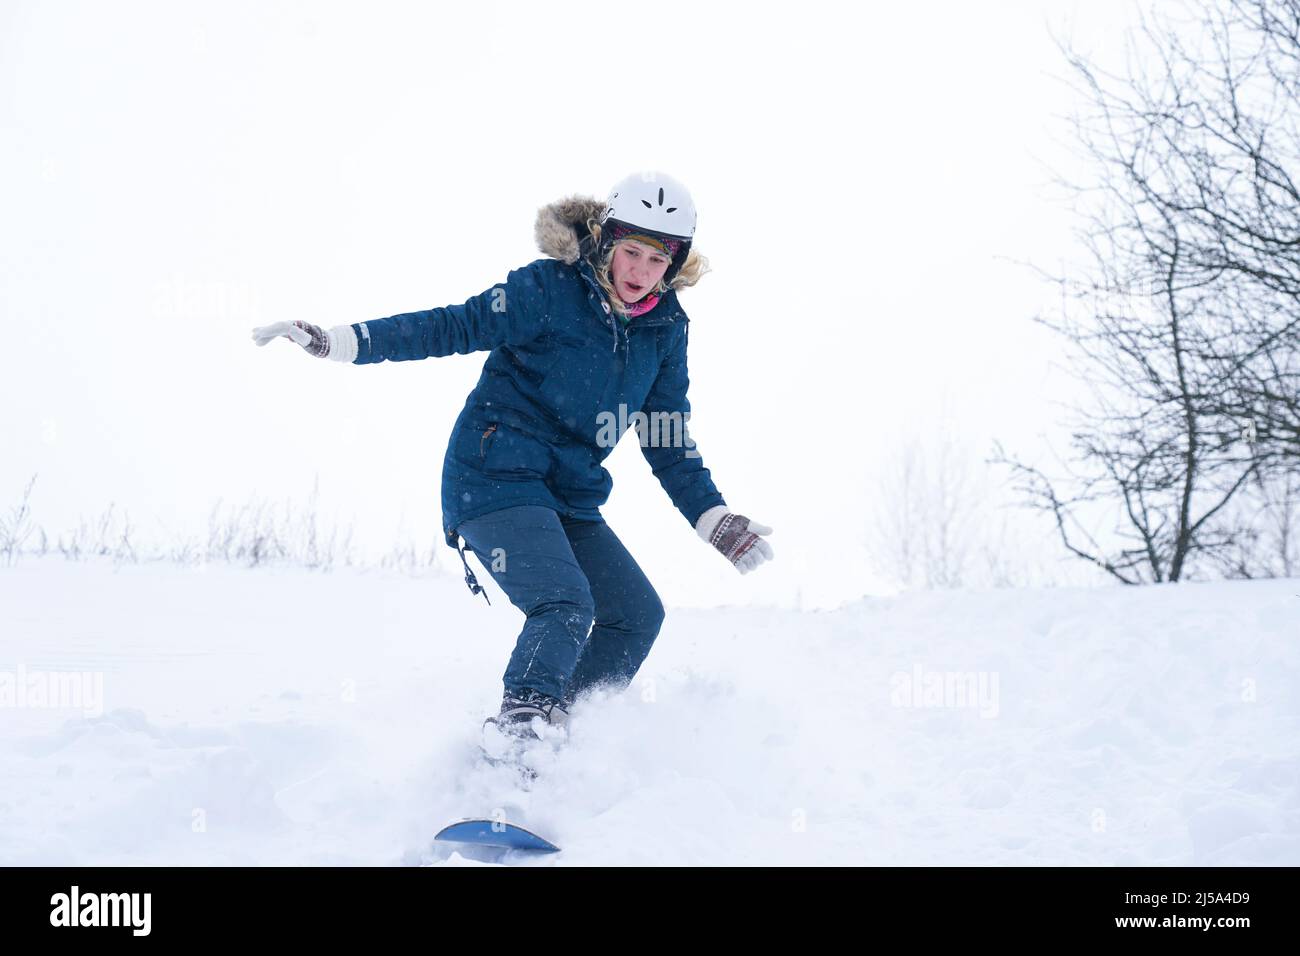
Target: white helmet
x,y
653,201
656,204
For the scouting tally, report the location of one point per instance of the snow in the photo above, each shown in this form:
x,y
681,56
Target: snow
x,y
280,716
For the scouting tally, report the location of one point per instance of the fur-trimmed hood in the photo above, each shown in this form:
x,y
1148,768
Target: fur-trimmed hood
x,y
562,225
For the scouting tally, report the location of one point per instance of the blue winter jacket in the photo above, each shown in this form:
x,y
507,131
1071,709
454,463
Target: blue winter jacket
x,y
561,384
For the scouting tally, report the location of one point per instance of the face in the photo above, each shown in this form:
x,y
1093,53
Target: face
x,y
636,269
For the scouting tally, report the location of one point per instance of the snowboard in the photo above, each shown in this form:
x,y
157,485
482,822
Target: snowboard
x,y
497,834
503,751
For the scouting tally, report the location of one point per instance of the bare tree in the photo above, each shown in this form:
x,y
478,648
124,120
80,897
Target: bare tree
x,y
923,523
941,521
17,527
936,522
899,518
1266,519
1185,331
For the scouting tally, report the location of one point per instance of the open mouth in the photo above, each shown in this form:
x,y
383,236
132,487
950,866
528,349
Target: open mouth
x,y
631,287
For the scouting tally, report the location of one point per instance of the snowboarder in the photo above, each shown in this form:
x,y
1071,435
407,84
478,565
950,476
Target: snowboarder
x,y
582,343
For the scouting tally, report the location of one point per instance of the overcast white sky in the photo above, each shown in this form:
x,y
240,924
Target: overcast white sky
x,y
173,174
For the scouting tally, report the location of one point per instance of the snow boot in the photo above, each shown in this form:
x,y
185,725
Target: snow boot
x,y
518,711
525,719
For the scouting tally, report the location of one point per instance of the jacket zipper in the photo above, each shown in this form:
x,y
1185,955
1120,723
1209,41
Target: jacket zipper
x,y
481,451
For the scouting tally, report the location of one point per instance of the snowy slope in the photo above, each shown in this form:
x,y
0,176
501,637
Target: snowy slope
x,y
281,716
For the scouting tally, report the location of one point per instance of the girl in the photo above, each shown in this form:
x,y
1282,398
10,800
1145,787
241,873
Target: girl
x,y
582,343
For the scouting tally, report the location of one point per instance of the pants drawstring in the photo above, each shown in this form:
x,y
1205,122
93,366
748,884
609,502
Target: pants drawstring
x,y
470,581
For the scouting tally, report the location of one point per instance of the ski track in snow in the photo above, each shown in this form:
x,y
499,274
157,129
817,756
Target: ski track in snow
x,y
280,716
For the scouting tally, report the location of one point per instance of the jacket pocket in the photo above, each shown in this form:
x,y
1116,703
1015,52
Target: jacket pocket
x,y
507,452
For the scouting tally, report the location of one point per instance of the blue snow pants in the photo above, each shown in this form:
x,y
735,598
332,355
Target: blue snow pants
x,y
591,613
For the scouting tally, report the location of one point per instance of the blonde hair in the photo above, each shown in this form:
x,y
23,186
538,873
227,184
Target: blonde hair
x,y
692,270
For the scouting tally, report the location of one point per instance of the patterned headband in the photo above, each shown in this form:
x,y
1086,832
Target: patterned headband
x,y
668,247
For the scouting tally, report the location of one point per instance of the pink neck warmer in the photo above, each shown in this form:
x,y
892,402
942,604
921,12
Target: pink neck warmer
x,y
642,306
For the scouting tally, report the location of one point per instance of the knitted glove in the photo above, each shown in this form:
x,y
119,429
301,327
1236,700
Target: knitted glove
x,y
736,537
339,343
